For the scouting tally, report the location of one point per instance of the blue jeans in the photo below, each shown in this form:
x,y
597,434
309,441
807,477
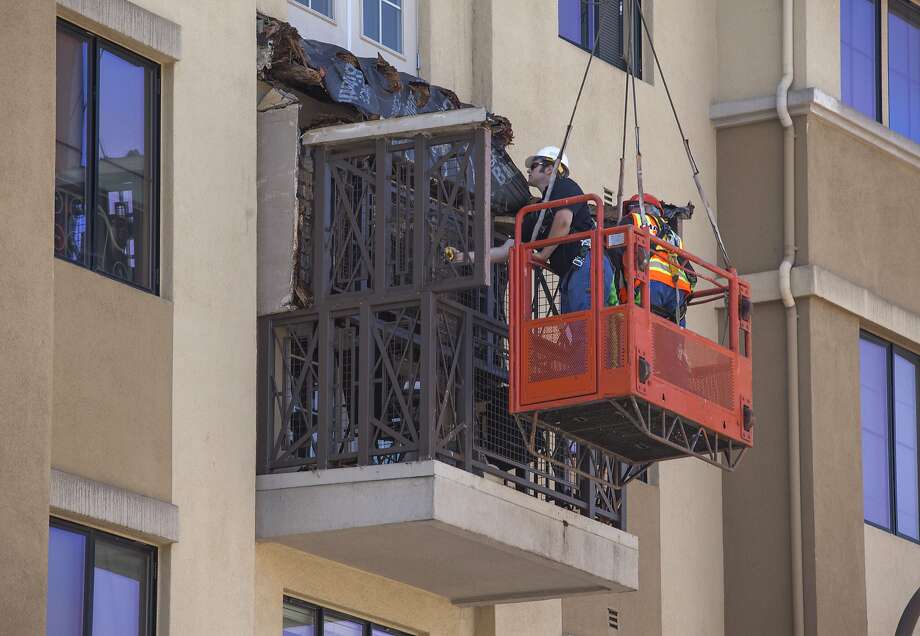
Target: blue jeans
x,y
576,286
663,299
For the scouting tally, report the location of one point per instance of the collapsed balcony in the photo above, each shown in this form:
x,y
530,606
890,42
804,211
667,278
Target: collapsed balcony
x,y
385,438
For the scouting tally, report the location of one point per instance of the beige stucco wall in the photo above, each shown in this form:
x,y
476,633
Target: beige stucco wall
x,y
861,200
749,35
446,43
535,76
816,45
112,382
755,498
832,503
214,342
751,196
892,577
26,294
209,177
691,549
281,570
640,611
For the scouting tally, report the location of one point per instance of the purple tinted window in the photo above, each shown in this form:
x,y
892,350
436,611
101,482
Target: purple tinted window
x,y
873,397
118,590
578,21
341,626
298,620
905,449
859,81
570,20
123,229
70,175
904,72
66,560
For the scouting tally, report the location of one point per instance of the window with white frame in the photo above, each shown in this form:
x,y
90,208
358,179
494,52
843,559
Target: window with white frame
x,y
325,7
382,22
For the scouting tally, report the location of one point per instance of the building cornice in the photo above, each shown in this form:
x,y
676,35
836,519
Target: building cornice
x,y
113,507
813,101
817,282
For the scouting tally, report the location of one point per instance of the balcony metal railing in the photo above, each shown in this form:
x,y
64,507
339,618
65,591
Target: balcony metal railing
x,y
404,357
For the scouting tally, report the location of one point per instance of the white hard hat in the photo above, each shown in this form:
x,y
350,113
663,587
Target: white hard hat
x,y
549,152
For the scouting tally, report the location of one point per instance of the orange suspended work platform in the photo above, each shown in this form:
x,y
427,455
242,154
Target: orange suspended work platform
x,y
622,377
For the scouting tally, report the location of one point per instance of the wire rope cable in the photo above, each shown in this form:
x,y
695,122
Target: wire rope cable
x,y
565,139
694,168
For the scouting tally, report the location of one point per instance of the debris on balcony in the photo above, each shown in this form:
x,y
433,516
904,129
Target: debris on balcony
x,y
371,88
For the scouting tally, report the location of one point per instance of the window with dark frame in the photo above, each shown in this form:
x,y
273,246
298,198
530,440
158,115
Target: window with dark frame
x,y
860,55
904,68
889,421
306,619
106,215
581,20
99,584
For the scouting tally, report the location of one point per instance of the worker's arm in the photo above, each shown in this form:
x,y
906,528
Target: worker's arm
x,y
496,254
562,223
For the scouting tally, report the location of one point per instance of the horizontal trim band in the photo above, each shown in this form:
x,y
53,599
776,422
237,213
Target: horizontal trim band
x,y
131,21
116,507
813,101
814,281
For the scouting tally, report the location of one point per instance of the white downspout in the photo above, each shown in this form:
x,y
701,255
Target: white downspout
x,y
792,343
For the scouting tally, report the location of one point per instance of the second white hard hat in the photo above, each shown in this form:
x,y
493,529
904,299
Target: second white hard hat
x,y
549,152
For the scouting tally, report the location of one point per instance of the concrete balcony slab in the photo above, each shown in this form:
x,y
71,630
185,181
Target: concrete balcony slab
x,y
447,531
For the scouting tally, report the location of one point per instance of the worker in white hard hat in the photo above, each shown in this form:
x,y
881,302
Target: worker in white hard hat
x,y
570,261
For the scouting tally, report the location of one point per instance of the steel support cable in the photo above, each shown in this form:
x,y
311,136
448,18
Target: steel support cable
x,y
686,142
565,139
623,145
631,73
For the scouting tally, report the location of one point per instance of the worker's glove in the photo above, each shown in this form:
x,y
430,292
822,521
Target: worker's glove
x,y
451,254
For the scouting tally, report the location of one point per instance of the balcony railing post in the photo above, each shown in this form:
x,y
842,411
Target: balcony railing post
x,y
382,204
365,382
266,400
322,200
427,417
326,374
420,231
469,416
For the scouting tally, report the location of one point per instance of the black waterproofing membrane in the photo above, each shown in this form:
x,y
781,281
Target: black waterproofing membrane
x,y
376,89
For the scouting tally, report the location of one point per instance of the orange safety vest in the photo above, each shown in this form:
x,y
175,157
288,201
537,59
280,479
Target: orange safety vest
x,y
663,265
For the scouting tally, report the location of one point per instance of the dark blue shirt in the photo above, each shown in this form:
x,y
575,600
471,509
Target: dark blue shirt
x,y
560,262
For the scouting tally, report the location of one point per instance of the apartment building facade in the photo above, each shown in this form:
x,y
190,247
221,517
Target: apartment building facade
x,y
135,492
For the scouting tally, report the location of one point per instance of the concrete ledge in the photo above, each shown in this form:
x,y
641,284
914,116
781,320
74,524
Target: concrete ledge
x,y
811,280
150,518
131,21
813,101
446,531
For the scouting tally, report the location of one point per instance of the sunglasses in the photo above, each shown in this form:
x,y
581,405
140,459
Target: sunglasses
x,y
538,164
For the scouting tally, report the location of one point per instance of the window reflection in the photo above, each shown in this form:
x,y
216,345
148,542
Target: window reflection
x,y
122,231
298,620
105,208
873,367
70,191
66,557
